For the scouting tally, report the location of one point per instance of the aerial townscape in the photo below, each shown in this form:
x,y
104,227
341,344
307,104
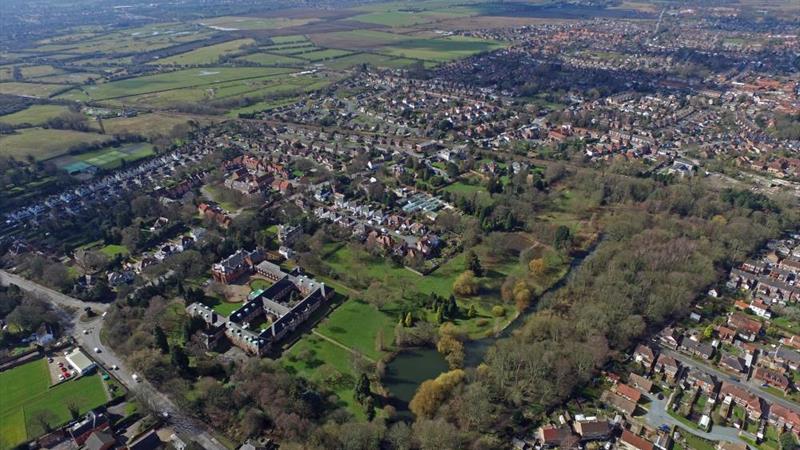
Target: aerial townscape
x,y
400,225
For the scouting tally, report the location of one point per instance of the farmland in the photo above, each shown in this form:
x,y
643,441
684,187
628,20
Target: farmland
x,y
169,81
268,59
45,143
34,115
233,23
205,55
40,90
27,401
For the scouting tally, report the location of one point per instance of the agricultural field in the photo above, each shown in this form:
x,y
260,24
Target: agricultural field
x,y
205,55
268,59
440,50
34,115
39,90
44,144
404,18
27,72
288,39
27,400
323,55
348,62
234,23
169,81
357,39
150,125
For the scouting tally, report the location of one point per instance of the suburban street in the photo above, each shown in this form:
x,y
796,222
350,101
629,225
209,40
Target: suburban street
x,y
728,378
657,415
107,358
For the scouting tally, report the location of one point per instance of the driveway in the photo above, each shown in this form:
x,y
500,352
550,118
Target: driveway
x,y
657,415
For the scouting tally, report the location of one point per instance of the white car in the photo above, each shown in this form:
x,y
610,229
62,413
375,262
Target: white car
x,y
85,331
114,367
96,350
61,378
135,378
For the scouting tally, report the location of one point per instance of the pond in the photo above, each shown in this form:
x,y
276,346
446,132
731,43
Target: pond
x,y
411,367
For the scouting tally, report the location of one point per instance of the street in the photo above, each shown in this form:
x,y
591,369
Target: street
x,y
107,358
751,386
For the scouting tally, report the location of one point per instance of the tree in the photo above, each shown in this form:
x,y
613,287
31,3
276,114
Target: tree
x,y
708,332
787,441
472,312
179,359
409,320
474,264
466,285
563,237
432,393
362,389
161,340
537,267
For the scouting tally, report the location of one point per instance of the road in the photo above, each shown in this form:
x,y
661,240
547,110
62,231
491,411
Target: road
x,y
751,386
657,415
87,334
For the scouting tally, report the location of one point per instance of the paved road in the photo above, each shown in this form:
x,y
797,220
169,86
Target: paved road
x,y
657,415
87,334
752,386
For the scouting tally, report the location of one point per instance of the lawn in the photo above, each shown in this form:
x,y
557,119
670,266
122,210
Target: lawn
x,y
149,125
259,284
44,144
398,280
34,115
355,324
225,308
113,250
26,400
327,365
205,55
348,62
111,158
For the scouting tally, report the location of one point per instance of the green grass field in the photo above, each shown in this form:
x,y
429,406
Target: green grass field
x,y
39,90
288,39
34,115
113,250
355,324
267,59
170,81
205,55
111,158
437,50
26,400
322,55
45,143
347,62
232,23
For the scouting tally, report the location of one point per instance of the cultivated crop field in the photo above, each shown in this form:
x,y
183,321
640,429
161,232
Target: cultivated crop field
x,y
233,23
27,401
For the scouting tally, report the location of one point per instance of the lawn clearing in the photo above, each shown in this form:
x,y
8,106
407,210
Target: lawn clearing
x,y
27,400
355,324
150,125
34,115
44,144
112,250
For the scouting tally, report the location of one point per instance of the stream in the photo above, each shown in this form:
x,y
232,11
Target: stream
x,y
411,367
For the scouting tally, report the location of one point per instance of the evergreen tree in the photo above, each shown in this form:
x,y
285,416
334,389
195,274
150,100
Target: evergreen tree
x,y
161,340
362,389
472,312
180,359
452,307
439,316
474,264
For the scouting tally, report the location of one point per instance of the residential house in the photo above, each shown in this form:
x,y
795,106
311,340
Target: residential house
x,y
697,348
641,383
552,437
669,337
668,366
100,440
732,393
595,430
760,309
772,378
619,402
702,380
726,334
784,418
628,392
786,357
92,422
631,441
644,355
746,327
733,363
